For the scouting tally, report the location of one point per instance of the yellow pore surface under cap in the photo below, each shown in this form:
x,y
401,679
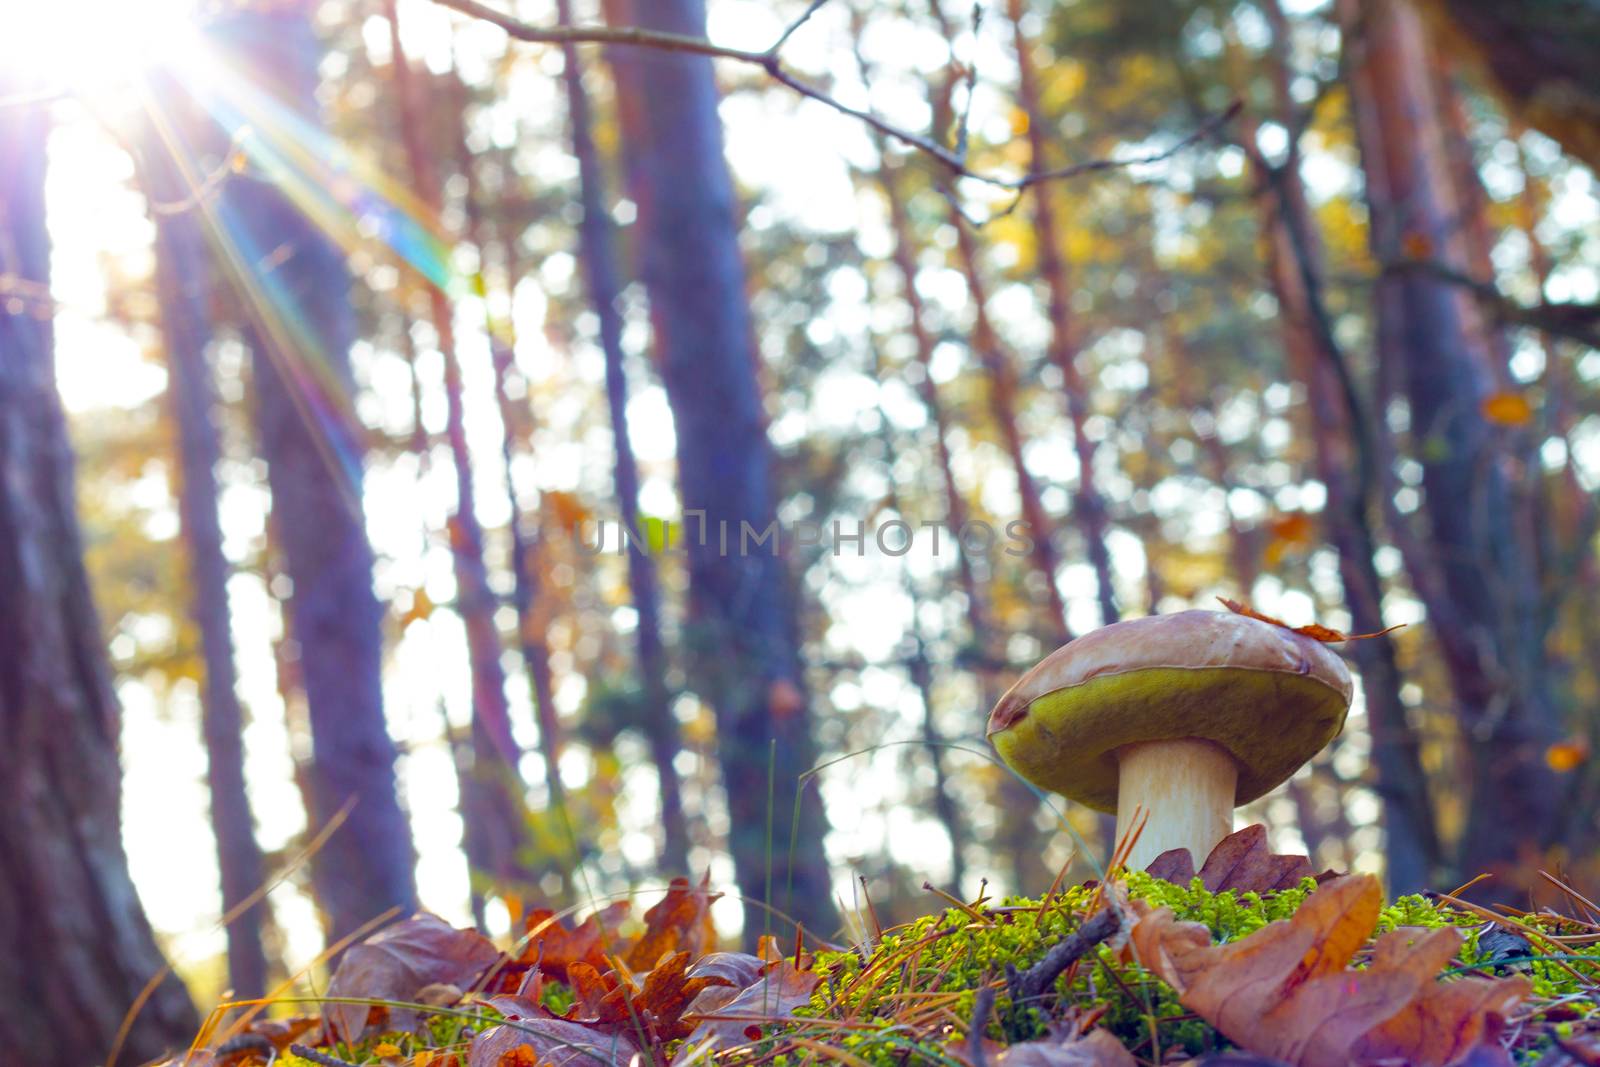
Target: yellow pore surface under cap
x,y
1270,721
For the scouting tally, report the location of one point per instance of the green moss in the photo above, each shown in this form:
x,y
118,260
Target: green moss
x,y
953,954
943,958
556,998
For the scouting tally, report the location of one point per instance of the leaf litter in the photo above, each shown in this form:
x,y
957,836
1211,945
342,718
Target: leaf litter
x,y
1251,960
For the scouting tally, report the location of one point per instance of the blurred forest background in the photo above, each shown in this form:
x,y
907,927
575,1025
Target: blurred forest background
x,y
333,335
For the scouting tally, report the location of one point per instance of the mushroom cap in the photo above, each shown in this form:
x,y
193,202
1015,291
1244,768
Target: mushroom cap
x,y
1269,696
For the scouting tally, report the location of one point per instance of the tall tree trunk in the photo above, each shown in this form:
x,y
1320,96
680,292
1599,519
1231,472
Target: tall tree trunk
x,y
1001,373
1344,465
526,567
919,669
1018,835
744,628
905,261
998,364
183,272
598,251
1490,586
1088,503
532,640
77,946
498,844
299,335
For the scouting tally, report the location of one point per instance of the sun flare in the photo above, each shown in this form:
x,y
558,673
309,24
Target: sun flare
x,y
92,48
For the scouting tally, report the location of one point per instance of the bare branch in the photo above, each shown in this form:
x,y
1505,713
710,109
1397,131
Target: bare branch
x,y
964,125
1574,321
519,30
771,62
804,18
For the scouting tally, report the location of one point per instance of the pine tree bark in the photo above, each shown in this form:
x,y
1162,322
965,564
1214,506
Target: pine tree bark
x,y
746,657
890,178
526,567
1018,836
597,248
1491,630
170,172
1001,373
1344,464
1089,505
77,946
497,834
299,333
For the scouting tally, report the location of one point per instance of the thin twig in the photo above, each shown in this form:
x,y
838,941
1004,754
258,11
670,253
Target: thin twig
x,y
769,61
306,1052
965,122
982,1007
253,1043
789,31
1033,983
1573,321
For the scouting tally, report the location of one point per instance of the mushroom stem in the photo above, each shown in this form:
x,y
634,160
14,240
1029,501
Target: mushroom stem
x,y
1186,788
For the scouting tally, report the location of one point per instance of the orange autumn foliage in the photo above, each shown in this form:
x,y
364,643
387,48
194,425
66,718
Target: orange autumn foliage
x,y
1316,632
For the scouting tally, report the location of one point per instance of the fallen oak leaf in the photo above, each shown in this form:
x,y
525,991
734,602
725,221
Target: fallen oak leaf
x,y
1284,991
396,963
740,969
1245,863
1449,1018
1098,1048
1326,634
1242,862
596,998
773,998
555,947
1175,865
658,1003
681,921
667,992
541,1042
737,969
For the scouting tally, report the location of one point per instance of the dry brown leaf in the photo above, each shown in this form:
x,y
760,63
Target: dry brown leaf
x,y
737,969
1098,1048
397,962
1175,865
1285,990
1242,862
1325,634
681,922
1445,1018
555,947
670,988
592,1000
540,1042
772,998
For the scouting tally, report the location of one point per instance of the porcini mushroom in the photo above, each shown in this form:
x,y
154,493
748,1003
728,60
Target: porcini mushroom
x,y
1181,717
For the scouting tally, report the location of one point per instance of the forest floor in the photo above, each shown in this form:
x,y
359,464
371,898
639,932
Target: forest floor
x,y
1250,960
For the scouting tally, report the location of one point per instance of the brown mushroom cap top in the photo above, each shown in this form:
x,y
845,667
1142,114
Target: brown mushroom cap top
x,y
1269,696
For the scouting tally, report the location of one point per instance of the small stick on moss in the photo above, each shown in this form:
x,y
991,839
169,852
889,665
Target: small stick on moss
x,y
235,1047
306,1052
981,1009
1036,981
